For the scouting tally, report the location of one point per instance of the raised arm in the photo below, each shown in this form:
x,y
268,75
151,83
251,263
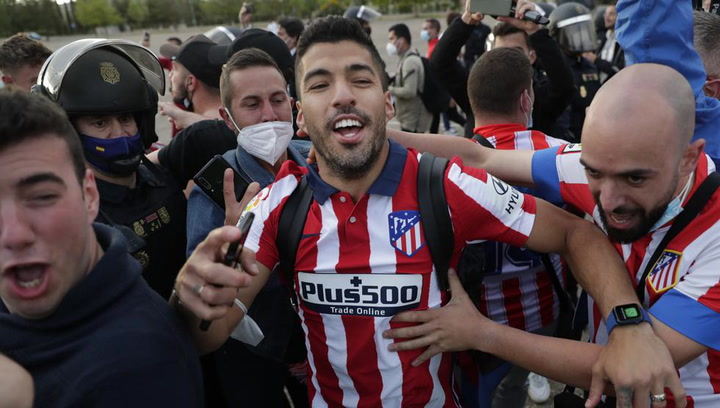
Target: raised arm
x,y
661,32
512,166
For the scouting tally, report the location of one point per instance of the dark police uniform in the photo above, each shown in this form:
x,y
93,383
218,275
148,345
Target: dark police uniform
x,y
154,210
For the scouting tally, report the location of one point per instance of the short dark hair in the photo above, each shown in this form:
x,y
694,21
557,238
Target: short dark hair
x,y
292,26
451,16
401,31
27,116
19,51
502,29
434,23
497,79
247,58
707,33
334,29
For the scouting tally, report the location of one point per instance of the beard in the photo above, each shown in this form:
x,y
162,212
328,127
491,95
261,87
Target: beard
x,y
648,218
179,95
354,161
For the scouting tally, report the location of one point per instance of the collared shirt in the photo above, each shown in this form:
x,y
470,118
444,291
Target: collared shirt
x,y
359,263
517,290
683,288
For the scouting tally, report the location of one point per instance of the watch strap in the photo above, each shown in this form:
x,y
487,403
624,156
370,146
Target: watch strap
x,y
611,321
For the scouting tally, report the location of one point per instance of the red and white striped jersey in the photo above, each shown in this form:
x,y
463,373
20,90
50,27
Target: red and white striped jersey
x,y
359,263
517,290
683,288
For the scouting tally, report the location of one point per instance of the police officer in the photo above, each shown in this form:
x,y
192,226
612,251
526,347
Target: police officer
x,y
109,89
572,27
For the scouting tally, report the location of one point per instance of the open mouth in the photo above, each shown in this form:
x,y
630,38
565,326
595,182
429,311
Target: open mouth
x,y
621,221
348,129
28,280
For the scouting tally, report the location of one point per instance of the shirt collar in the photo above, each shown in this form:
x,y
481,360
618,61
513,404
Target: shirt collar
x,y
386,184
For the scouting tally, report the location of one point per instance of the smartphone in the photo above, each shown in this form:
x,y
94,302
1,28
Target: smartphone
x,y
492,7
232,255
210,180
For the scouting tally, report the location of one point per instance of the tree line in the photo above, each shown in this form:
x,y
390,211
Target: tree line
x,y
47,17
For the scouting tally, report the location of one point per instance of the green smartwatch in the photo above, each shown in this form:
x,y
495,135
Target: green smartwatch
x,y
625,315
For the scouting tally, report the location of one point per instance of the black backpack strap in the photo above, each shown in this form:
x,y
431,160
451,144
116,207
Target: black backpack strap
x,y
481,139
435,215
696,203
290,228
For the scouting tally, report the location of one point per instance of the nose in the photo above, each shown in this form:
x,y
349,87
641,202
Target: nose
x,y
268,112
343,95
611,196
119,129
15,232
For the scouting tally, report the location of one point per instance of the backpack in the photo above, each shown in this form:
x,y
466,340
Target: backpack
x,y
434,96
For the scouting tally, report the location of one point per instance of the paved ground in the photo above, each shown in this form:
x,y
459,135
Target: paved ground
x,y
379,34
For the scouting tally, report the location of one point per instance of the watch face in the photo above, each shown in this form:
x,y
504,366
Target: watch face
x,y
628,314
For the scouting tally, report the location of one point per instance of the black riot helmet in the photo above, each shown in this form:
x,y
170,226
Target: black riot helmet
x,y
105,77
572,27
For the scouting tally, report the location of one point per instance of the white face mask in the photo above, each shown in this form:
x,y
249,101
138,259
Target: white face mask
x,y
267,140
391,49
529,118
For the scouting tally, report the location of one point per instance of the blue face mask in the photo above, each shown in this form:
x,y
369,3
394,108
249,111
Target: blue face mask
x,y
674,207
118,156
425,35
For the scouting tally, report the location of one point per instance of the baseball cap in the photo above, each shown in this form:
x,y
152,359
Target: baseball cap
x,y
194,56
260,39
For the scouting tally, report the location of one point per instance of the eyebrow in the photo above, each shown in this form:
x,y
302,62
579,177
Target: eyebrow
x,y
272,95
349,68
631,172
39,178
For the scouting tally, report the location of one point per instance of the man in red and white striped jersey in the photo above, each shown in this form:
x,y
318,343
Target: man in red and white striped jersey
x,y
363,257
634,173
517,289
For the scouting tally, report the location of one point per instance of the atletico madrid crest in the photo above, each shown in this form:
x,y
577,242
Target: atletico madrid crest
x,y
405,234
664,274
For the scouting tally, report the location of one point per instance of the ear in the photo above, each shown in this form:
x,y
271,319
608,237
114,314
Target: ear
x,y
689,159
191,82
226,118
712,88
302,127
389,108
92,196
532,56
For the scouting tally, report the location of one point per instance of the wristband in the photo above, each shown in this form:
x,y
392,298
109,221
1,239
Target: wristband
x,y
625,315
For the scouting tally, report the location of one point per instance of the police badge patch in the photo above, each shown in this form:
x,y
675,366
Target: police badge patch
x,y
664,274
405,234
109,73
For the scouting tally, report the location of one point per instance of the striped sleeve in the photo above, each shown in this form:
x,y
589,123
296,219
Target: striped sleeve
x,y
483,208
560,177
267,207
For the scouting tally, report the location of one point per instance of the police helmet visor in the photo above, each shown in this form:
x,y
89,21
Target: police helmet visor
x,y
577,33
53,71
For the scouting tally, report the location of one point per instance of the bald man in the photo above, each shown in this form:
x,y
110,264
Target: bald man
x,y
633,174
16,385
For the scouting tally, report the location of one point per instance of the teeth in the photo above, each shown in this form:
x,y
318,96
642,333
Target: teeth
x,y
30,284
347,123
620,219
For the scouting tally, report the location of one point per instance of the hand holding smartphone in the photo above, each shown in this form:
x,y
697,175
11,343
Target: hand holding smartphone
x,y
210,180
232,255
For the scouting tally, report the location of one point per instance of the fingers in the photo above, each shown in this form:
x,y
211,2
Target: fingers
x,y
658,398
415,343
311,159
678,391
597,387
427,355
249,262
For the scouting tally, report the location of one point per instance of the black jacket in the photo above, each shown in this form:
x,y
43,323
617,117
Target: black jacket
x,y
554,87
616,64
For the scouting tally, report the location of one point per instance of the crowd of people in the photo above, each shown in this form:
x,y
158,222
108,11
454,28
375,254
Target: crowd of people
x,y
583,195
